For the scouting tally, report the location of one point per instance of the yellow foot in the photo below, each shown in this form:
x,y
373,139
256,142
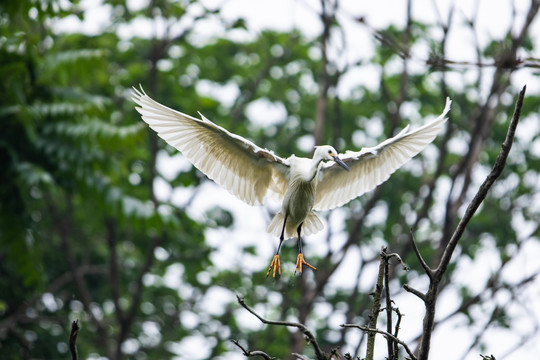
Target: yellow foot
x,y
276,266
300,261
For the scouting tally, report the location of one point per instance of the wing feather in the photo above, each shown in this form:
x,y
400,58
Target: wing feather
x,y
372,166
235,163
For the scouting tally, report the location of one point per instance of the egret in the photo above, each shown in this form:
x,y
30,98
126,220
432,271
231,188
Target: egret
x,y
324,182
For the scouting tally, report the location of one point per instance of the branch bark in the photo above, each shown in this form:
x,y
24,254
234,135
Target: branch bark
x,y
384,333
311,338
249,353
374,313
432,293
73,339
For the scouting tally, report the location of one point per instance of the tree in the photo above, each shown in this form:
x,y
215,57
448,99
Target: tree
x,y
91,228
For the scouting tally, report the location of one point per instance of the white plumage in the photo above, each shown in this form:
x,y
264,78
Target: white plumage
x,y
251,172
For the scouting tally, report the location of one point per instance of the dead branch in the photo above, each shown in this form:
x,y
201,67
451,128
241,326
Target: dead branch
x,y
249,353
73,339
437,274
374,312
500,163
384,333
311,338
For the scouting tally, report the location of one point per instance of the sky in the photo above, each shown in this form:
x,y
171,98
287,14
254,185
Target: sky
x,y
355,42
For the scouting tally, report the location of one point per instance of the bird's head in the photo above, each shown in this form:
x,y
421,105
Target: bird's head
x,y
327,152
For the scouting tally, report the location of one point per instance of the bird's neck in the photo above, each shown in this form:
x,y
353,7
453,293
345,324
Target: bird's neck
x,y
313,168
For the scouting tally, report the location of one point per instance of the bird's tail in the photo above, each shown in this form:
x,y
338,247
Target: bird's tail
x,y
276,224
312,224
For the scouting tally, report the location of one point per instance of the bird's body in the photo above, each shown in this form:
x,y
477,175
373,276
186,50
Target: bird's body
x,y
298,200
250,172
300,196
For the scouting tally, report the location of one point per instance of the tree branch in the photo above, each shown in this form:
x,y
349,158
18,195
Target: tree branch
x,y
73,339
500,163
374,312
396,255
249,353
432,293
396,330
311,338
384,333
389,343
413,291
426,267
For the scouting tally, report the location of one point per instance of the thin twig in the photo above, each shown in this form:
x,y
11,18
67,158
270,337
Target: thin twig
x,y
73,339
396,330
396,255
249,353
426,267
311,338
384,333
413,291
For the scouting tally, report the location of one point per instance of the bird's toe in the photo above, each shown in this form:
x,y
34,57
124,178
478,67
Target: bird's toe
x,y
274,266
301,261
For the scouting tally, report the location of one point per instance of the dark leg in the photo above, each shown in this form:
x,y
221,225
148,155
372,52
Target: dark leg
x,y
300,259
281,237
275,261
298,230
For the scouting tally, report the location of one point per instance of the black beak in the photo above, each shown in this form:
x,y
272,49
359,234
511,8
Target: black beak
x,y
341,163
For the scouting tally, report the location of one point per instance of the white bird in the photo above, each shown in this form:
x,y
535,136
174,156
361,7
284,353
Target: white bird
x,y
251,172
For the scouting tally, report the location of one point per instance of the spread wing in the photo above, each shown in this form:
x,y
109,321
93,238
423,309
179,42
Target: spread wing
x,y
372,166
235,163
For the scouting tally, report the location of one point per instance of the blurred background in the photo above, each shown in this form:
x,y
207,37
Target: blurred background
x,y
103,222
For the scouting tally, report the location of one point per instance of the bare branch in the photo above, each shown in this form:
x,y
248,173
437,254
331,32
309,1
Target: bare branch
x,y
73,339
413,291
396,330
390,344
249,353
396,255
374,312
384,333
500,163
426,267
311,338
432,293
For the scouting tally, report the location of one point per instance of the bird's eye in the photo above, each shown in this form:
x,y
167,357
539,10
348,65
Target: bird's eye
x,y
329,151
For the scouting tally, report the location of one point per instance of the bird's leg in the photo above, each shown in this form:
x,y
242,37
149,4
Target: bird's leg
x,y
300,259
275,261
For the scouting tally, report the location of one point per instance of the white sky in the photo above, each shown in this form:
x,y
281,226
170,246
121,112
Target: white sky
x,y
449,341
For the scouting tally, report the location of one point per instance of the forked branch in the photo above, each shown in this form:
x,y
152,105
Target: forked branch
x,y
384,333
430,297
249,353
498,167
311,338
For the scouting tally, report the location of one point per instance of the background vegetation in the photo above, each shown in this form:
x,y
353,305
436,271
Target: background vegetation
x,y
87,231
